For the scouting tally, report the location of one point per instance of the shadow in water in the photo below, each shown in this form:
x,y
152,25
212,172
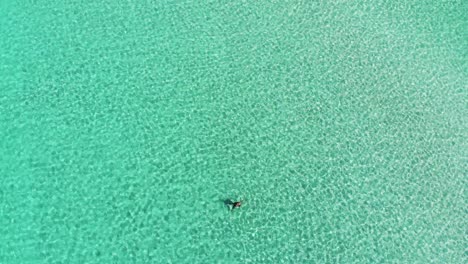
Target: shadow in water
x,y
228,203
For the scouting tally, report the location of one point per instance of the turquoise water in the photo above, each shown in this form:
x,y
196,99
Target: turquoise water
x,y
124,125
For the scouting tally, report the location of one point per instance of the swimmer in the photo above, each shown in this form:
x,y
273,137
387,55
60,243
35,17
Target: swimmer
x,y
236,204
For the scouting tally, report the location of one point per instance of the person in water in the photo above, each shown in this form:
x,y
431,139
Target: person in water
x,y
236,204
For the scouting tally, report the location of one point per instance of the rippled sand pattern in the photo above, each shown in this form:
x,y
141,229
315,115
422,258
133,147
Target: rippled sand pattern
x,y
125,125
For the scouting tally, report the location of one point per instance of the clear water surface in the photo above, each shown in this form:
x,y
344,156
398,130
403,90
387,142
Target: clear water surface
x,y
124,125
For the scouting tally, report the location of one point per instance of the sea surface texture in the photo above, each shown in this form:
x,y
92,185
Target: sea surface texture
x,y
125,127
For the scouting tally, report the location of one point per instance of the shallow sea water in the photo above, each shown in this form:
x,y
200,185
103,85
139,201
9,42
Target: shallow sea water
x,y
124,125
